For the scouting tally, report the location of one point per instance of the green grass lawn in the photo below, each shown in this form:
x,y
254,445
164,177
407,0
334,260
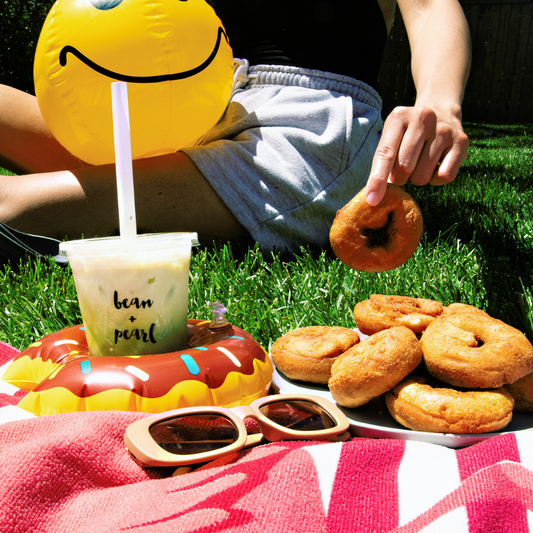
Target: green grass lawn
x,y
477,248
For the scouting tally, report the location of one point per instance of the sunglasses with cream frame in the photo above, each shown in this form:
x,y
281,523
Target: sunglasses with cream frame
x,y
147,452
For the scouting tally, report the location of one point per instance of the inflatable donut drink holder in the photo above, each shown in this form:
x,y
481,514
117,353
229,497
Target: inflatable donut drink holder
x,y
222,365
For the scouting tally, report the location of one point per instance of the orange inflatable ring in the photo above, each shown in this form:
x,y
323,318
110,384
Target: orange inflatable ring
x,y
61,376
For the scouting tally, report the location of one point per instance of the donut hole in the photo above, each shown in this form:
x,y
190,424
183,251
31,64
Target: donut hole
x,y
478,340
382,236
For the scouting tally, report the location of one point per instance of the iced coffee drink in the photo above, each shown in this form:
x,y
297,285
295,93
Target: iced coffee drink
x,y
133,293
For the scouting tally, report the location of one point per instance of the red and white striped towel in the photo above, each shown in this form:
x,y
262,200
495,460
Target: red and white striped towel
x,y
70,472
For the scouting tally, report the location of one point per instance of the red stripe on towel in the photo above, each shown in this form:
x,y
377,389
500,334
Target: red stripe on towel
x,y
7,353
365,490
495,502
11,399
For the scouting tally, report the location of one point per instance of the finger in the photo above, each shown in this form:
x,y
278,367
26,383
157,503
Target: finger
x,y
430,159
375,190
416,146
452,161
384,158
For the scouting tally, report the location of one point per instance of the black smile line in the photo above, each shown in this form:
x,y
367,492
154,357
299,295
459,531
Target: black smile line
x,y
142,79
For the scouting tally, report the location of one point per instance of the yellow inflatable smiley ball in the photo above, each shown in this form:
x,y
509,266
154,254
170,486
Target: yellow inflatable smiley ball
x,y
174,56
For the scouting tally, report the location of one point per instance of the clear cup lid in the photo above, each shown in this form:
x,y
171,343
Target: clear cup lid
x,y
118,245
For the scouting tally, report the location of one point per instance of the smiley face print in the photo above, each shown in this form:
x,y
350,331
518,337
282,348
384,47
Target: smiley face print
x,y
174,55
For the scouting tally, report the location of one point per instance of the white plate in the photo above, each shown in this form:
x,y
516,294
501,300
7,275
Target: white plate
x,y
374,420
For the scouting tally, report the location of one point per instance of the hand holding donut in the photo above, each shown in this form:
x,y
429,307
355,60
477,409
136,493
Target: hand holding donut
x,y
417,145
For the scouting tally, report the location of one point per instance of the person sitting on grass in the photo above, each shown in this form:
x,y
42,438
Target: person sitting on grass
x,y
301,136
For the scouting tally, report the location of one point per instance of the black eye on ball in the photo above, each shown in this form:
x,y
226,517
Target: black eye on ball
x,y
105,5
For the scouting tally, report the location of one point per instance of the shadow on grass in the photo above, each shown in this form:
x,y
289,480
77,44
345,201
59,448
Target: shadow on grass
x,y
507,135
506,254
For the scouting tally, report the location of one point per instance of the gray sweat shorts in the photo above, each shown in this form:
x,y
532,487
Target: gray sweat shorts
x,y
293,147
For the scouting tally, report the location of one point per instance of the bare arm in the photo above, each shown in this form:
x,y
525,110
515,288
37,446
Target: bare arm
x,y
171,195
426,143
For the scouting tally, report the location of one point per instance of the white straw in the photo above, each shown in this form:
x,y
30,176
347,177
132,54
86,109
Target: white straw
x,y
124,167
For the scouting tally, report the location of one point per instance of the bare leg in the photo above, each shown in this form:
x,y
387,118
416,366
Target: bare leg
x,y
26,143
171,195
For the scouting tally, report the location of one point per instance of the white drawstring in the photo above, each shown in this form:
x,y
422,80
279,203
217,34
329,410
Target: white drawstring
x,y
240,75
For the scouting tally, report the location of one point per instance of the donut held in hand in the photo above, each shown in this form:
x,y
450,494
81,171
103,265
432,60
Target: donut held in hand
x,y
373,366
381,312
307,354
377,238
476,351
415,404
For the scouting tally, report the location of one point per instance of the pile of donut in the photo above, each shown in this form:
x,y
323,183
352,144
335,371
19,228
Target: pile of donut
x,y
444,369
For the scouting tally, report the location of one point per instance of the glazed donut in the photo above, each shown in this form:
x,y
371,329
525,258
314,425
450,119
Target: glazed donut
x,y
522,392
475,351
307,354
373,366
416,405
381,312
375,239
62,377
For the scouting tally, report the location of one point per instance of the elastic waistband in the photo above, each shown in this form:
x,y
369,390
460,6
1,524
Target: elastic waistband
x,y
313,79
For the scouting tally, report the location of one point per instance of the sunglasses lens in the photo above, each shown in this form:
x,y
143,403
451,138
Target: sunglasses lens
x,y
299,415
190,434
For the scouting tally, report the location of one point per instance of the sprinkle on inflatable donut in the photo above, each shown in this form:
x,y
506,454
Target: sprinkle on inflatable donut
x,y
476,351
380,312
380,238
62,377
416,405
